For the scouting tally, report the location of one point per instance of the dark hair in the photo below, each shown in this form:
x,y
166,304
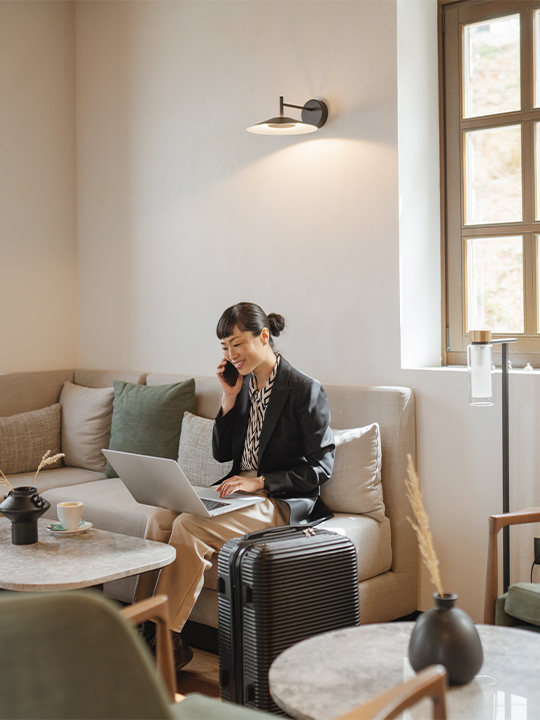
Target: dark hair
x,y
249,317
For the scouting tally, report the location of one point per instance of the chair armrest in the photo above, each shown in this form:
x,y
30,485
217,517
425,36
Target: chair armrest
x,y
156,609
430,682
496,524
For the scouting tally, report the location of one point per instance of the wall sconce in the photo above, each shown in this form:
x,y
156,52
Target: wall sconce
x,y
480,367
314,115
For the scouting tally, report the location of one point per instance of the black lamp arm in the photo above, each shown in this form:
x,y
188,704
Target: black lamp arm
x,y
298,107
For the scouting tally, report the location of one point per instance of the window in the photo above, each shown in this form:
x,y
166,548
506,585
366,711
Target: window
x,y
490,139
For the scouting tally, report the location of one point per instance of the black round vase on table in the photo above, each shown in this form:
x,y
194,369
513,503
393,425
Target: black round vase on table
x,y
447,636
23,506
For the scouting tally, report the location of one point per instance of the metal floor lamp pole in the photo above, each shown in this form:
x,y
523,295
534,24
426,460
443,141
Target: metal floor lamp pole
x,y
480,366
506,466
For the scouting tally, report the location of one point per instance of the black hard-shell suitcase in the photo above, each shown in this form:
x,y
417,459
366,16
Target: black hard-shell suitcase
x,y
275,588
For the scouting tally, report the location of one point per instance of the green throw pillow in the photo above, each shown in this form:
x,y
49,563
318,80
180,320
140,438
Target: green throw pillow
x,y
147,419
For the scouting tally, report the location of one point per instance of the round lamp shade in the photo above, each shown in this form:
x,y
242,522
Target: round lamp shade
x,y
282,126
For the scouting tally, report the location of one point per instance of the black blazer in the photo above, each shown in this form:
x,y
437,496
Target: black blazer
x,y
296,447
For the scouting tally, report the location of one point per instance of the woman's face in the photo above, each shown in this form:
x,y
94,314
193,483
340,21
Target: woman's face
x,y
245,350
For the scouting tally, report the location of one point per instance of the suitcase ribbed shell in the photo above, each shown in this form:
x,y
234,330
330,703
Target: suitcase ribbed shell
x,y
275,588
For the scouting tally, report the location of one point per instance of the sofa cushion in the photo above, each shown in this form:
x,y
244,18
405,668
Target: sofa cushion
x,y
372,539
148,420
26,437
355,485
108,505
48,479
86,425
195,453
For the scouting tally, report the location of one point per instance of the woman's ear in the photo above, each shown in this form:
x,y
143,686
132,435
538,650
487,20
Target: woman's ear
x,y
265,335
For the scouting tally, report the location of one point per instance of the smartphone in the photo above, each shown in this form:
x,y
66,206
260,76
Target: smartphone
x,y
230,374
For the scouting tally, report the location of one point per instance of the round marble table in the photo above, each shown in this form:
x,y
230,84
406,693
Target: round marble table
x,y
69,562
328,675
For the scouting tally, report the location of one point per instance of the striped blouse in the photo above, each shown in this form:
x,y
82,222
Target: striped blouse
x,y
259,402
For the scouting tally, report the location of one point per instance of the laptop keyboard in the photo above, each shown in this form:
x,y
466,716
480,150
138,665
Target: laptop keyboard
x,y
213,504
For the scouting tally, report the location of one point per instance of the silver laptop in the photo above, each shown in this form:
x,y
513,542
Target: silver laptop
x,y
162,482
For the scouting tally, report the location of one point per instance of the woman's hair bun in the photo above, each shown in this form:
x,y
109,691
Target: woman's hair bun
x,y
277,324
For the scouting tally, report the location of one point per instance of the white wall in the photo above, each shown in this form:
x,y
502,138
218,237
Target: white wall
x,y
38,279
182,212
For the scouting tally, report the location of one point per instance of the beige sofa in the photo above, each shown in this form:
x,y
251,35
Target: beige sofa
x,y
387,549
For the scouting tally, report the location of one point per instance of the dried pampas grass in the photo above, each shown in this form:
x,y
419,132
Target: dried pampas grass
x,y
47,459
421,527
5,480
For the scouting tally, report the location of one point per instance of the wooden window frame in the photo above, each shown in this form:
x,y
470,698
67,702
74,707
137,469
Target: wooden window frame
x,y
451,16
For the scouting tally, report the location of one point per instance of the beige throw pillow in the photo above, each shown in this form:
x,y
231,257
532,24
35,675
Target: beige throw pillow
x,y
86,425
26,437
195,452
355,485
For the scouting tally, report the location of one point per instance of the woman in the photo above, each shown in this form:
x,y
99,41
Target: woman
x,y
274,425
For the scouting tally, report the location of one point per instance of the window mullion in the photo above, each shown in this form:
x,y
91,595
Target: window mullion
x,y
529,282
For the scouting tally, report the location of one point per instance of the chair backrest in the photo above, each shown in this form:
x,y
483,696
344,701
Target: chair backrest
x,y
71,655
430,682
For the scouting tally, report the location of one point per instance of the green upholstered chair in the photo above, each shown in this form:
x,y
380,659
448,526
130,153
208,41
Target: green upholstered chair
x,y
520,606
75,656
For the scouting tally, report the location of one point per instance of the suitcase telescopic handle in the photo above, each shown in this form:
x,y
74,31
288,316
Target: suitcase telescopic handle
x,y
281,530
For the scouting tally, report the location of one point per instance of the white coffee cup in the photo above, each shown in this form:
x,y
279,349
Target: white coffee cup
x,y
70,514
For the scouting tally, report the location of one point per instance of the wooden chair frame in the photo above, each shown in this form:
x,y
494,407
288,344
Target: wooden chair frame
x,y
496,524
430,682
156,609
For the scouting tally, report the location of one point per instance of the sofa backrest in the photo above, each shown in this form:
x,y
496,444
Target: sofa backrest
x,y
105,378
26,391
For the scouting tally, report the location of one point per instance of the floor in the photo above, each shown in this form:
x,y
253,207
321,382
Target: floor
x,y
201,675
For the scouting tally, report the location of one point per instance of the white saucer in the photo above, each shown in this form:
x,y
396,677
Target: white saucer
x,y
55,528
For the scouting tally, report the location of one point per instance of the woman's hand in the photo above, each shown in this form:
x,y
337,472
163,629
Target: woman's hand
x,y
229,392
235,483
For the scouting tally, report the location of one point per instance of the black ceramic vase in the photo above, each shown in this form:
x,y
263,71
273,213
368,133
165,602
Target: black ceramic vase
x,y
23,507
446,635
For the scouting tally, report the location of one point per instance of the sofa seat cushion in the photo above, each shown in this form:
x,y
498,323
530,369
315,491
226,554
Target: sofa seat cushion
x,y
523,602
56,478
108,504
371,538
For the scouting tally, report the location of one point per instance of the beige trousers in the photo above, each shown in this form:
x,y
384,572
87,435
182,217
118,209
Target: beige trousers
x,y
196,539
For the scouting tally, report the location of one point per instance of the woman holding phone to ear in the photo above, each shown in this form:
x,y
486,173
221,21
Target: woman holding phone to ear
x,y
274,425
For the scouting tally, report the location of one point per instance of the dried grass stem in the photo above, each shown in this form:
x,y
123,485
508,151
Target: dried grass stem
x,y
5,480
47,459
421,526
